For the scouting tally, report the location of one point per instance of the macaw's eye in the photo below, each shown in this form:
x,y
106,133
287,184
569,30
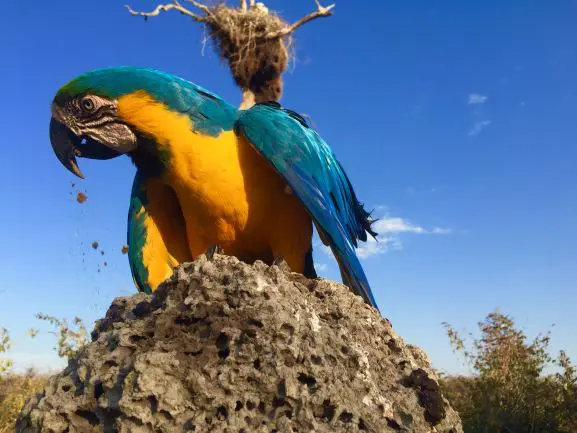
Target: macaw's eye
x,y
88,104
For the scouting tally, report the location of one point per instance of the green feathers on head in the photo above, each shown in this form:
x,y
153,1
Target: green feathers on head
x,y
210,114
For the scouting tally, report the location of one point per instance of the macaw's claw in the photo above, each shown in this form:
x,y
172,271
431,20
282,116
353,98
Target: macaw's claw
x,y
278,261
281,263
212,250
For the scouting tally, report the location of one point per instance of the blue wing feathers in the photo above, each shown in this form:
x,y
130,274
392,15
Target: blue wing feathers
x,y
136,234
312,171
313,153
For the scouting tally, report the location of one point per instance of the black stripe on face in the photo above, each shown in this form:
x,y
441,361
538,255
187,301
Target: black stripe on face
x,y
102,118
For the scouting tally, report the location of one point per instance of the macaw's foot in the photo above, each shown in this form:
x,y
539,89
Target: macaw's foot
x,y
278,261
212,250
281,263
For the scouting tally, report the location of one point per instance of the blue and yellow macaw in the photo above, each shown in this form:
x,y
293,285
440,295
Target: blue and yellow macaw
x,y
251,182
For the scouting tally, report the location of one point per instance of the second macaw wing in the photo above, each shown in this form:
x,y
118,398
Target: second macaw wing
x,y
136,236
157,240
315,176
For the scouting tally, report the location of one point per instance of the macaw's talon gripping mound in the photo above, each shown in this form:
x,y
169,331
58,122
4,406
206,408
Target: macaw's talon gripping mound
x,y
210,174
228,347
215,249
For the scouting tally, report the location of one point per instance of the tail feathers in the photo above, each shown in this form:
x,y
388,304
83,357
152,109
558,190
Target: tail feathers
x,y
357,282
352,272
347,281
310,271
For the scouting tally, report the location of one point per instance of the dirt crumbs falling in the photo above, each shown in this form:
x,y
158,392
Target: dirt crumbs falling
x,y
81,197
124,249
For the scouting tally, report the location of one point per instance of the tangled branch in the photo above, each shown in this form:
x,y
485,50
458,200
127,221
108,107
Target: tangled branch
x,y
177,7
69,340
253,40
322,11
319,13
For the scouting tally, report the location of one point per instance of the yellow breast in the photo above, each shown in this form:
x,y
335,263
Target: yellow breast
x,y
228,193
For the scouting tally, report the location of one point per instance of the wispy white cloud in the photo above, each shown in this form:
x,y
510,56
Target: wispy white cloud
x,y
396,225
366,249
326,249
391,225
479,126
389,230
374,247
475,98
321,267
441,231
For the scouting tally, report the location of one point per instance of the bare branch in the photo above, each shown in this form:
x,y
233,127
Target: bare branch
x,y
200,6
321,11
166,7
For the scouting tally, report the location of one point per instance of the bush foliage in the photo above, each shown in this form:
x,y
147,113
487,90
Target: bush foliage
x,y
14,391
509,392
16,388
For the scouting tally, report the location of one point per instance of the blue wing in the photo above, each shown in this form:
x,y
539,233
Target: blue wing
x,y
316,177
136,235
156,235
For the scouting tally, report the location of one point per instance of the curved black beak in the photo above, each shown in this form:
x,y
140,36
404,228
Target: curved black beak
x,y
67,146
64,143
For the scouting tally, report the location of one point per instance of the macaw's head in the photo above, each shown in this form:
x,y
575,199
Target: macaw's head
x,y
85,120
102,114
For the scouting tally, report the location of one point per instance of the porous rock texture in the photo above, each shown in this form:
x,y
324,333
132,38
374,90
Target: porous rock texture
x,y
228,347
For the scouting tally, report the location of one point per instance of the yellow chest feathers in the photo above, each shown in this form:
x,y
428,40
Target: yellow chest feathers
x,y
216,178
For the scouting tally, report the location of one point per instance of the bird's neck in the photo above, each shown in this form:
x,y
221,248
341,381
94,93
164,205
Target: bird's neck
x,y
163,134
170,144
150,159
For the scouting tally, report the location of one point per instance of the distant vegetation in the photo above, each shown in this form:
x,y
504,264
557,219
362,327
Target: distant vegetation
x,y
508,392
15,388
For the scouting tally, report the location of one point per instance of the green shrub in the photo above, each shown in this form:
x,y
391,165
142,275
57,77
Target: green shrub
x,y
69,341
509,392
5,345
15,389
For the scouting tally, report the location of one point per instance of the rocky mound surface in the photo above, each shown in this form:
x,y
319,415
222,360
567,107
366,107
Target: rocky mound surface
x,y
228,347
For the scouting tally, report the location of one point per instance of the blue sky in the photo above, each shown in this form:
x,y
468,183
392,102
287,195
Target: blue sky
x,y
455,120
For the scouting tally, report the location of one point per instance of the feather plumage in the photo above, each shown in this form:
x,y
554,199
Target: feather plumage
x,y
313,172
